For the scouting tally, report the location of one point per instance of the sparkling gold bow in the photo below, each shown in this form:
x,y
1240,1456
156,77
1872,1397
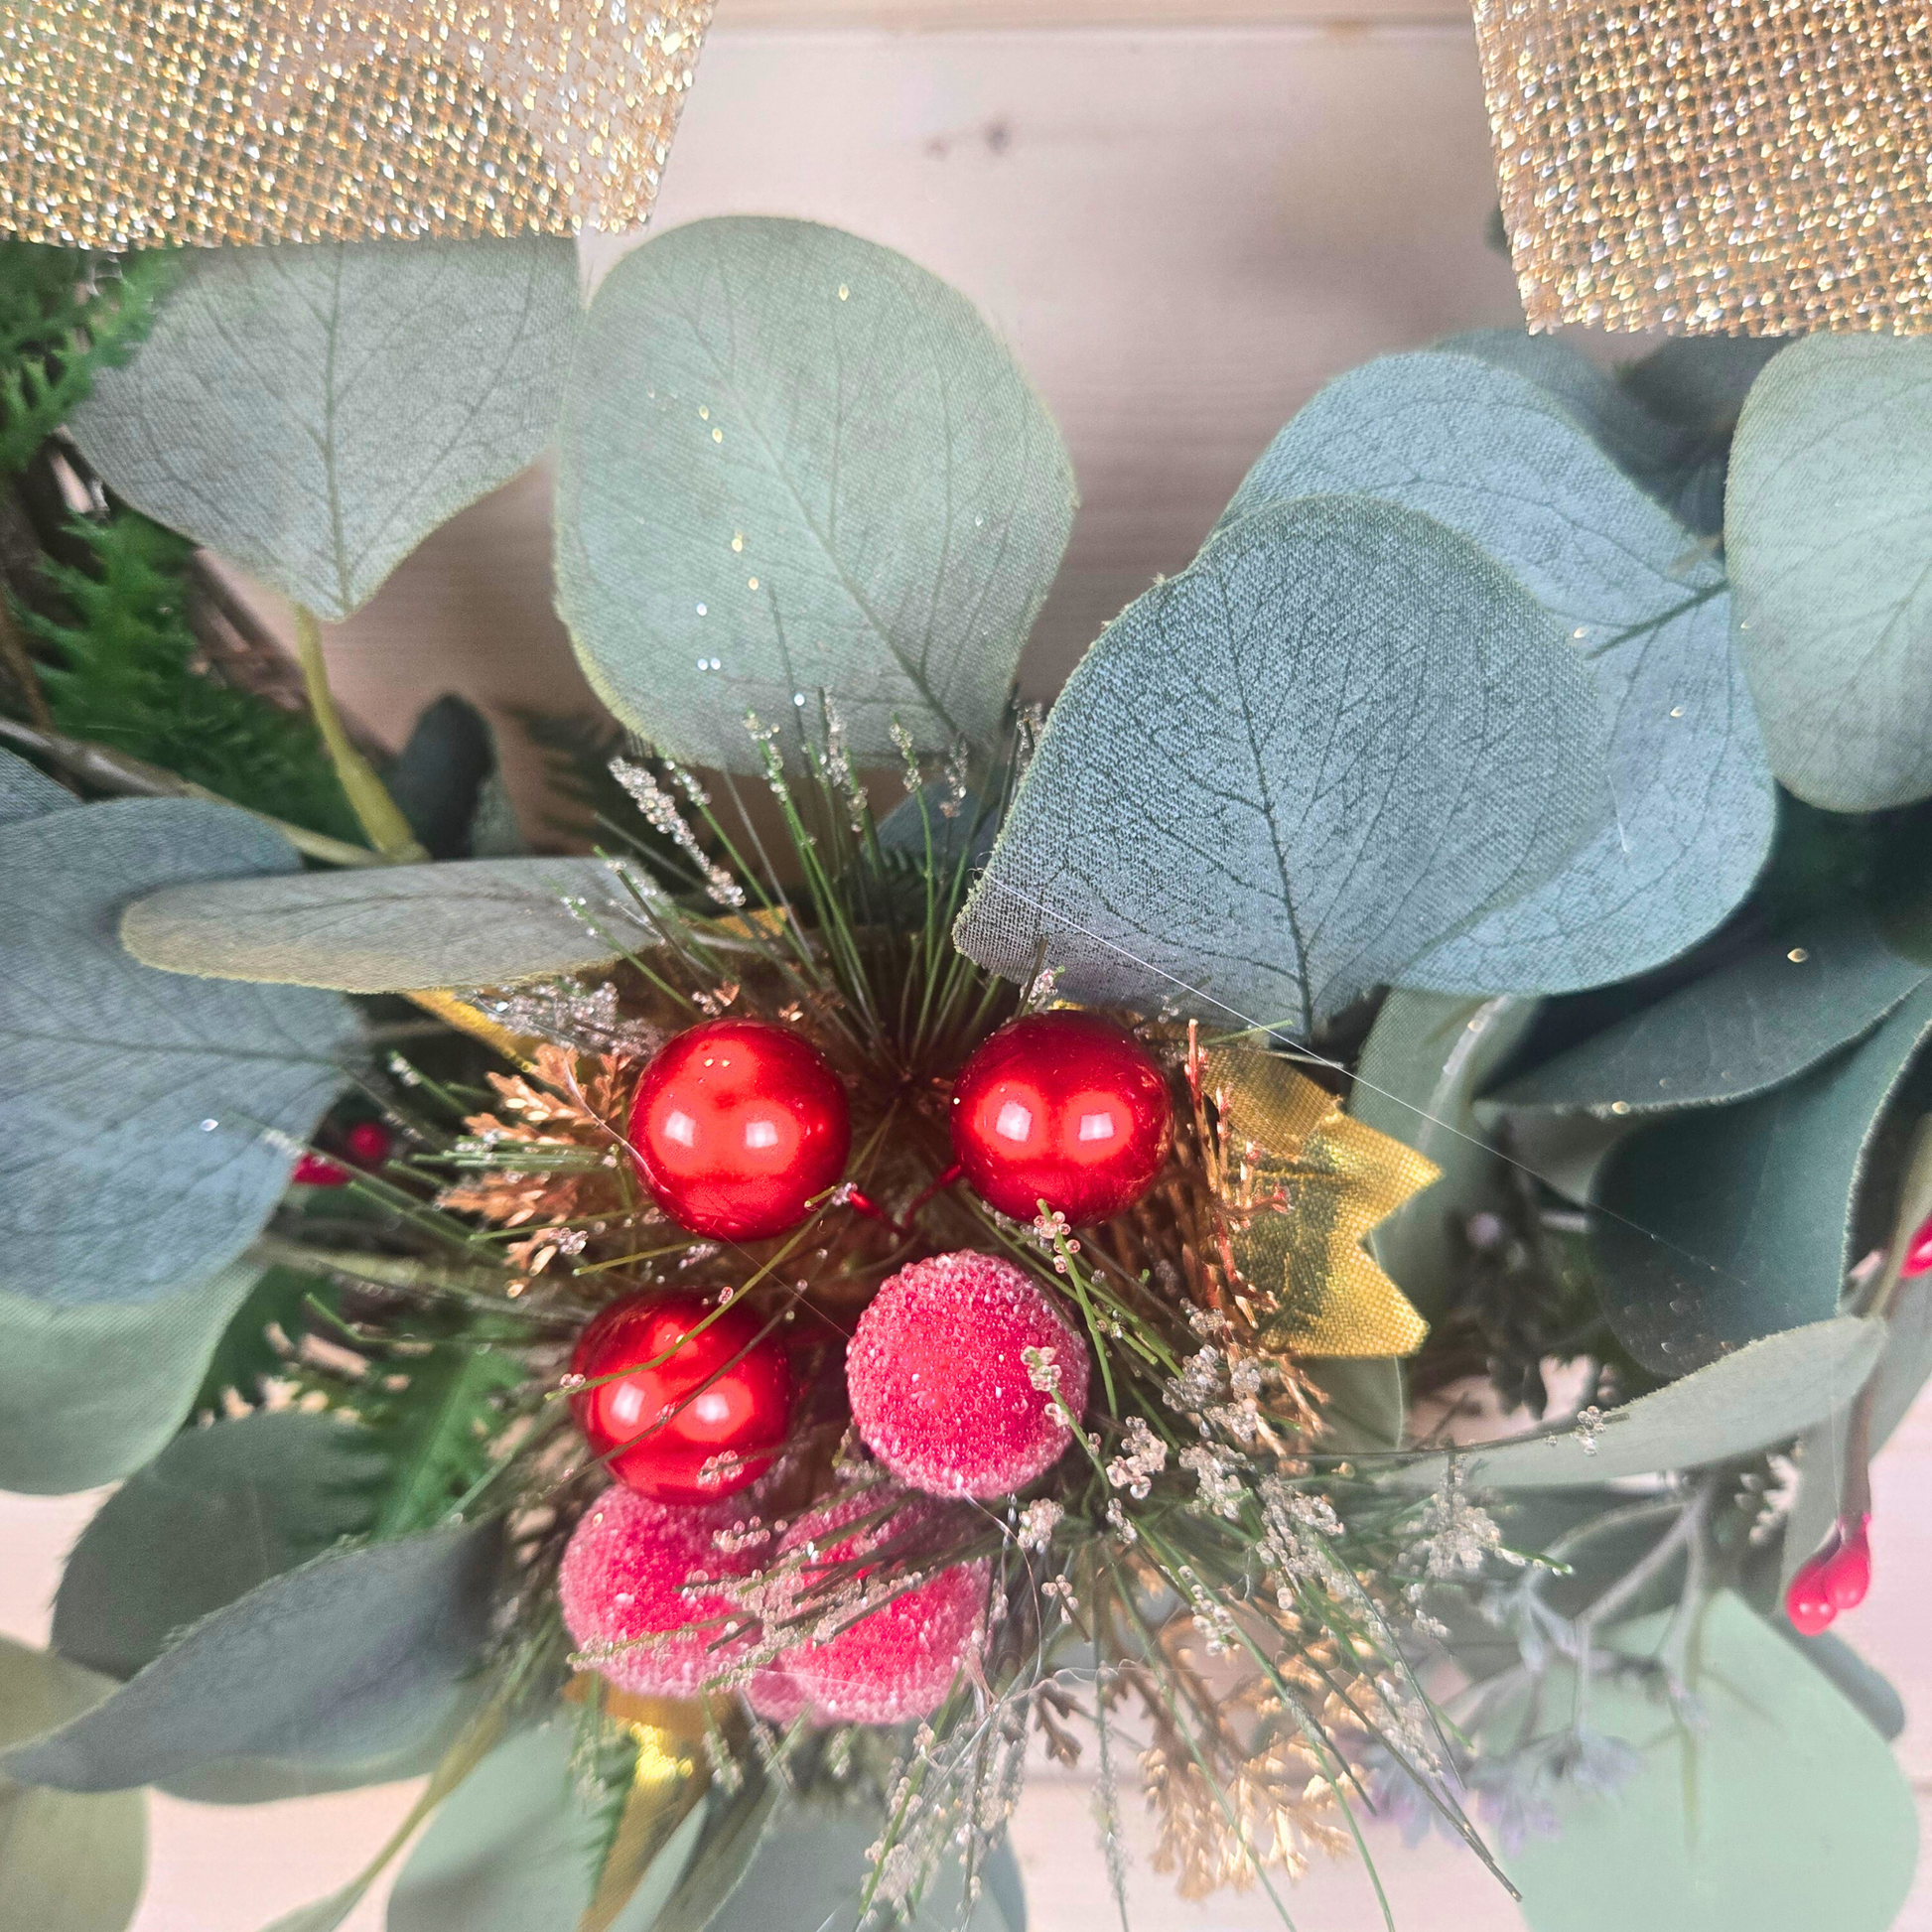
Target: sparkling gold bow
x,y
1752,167
131,122
1305,1182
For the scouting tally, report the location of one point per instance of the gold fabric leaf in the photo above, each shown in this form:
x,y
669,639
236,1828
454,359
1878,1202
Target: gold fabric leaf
x,y
133,122
1752,167
1310,1182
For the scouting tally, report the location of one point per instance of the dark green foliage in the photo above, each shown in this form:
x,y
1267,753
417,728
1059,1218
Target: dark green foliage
x,y
130,674
291,1303
438,1429
63,313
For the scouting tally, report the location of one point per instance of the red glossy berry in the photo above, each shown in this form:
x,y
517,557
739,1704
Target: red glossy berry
x,y
1065,1107
1807,1602
1848,1570
367,1143
937,1384
623,1581
736,1126
703,1409
900,1660
1918,1252
317,1170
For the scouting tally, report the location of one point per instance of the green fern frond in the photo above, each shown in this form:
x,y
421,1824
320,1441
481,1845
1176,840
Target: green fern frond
x,y
291,1304
438,1429
129,673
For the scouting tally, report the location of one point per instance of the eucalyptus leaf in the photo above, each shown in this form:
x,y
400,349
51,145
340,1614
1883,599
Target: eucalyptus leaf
x,y
513,1848
735,1824
396,928
1868,1691
1427,1057
794,462
312,411
1758,1021
1365,1407
1828,528
1288,773
68,1863
1766,1393
1493,457
145,1112
90,1391
344,1667
221,1510
1782,1810
26,791
1726,1223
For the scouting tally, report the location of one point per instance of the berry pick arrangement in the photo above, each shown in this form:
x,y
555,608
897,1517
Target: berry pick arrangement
x,y
1329,1228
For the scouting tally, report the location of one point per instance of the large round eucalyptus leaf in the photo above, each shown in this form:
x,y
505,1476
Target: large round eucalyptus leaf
x,y
1496,458
1284,777
28,793
1782,1810
143,1109
514,1849
1761,1018
1828,529
395,929
1722,1224
794,462
92,1390
1765,1393
347,1670
1427,1057
311,412
68,1863
220,1511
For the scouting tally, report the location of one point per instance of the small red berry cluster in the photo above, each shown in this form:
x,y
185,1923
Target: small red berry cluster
x,y
1836,1578
739,1129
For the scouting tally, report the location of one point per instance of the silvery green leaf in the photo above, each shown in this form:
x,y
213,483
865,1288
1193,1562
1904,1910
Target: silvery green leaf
x,y
347,1668
1781,1807
311,412
114,1189
1828,527
1427,1057
396,928
1364,1407
68,1863
28,793
1759,1020
1764,1394
1492,455
794,462
220,1511
1287,775
89,1392
1722,1224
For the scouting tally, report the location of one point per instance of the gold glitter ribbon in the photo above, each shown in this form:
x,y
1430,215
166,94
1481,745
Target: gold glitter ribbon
x,y
1310,1182
131,122
1754,167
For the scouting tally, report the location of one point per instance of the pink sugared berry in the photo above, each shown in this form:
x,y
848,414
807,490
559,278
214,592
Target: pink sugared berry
x,y
937,1384
898,1661
620,1583
774,1695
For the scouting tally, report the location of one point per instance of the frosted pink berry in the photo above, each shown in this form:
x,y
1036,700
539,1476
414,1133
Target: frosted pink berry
x,y
937,1382
774,1695
620,1581
900,1660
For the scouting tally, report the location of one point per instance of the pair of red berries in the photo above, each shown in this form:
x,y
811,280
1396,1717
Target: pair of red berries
x,y
739,1125
368,1143
1835,1578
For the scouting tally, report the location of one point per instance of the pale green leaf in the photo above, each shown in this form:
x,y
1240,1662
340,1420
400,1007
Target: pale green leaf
x,y
28,793
1427,1057
348,1667
1256,792
68,1863
1366,1408
1828,528
1754,1023
1722,1224
792,462
395,929
1765,1393
1493,457
312,412
144,1144
221,1510
1783,1812
90,1391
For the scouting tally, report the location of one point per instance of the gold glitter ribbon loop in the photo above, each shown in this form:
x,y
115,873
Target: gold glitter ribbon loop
x,y
1311,1184
133,122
